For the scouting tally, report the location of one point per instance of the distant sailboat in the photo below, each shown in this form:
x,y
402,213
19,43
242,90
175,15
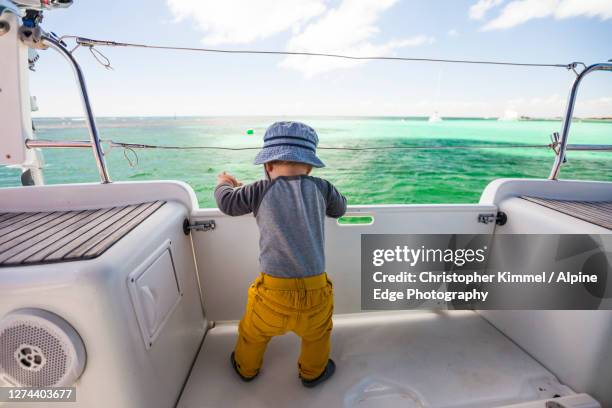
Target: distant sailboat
x,y
435,118
509,116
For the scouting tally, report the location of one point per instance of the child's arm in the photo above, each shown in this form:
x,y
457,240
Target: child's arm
x,y
236,201
336,202
226,178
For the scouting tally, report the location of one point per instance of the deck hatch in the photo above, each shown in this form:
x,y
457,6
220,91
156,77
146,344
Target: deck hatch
x,y
595,212
155,290
60,236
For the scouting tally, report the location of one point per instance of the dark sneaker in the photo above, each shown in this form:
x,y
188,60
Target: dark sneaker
x,y
330,369
242,377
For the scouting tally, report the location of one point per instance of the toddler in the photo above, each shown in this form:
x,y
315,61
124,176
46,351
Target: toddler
x,y
293,292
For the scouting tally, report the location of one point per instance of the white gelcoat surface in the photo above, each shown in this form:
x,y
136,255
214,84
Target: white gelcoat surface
x,y
93,297
575,345
450,359
390,359
502,189
227,257
65,197
570,401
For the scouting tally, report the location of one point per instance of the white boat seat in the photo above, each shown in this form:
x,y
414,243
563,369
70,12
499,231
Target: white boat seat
x,y
595,212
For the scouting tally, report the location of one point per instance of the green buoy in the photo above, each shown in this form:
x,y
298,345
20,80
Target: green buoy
x,y
250,132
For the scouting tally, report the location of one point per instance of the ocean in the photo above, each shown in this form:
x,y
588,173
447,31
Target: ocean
x,y
365,177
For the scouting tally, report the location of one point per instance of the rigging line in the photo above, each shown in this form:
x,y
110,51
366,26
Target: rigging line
x,y
133,162
413,147
88,42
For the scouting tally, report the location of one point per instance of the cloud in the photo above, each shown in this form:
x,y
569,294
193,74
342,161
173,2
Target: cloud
x,y
347,29
453,33
589,8
244,21
520,11
480,8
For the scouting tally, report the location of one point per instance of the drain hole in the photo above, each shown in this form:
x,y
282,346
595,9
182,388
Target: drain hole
x,y
30,358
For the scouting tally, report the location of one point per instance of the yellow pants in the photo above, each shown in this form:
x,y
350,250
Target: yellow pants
x,y
278,305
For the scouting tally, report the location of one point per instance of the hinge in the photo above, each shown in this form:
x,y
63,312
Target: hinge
x,y
486,218
500,218
207,225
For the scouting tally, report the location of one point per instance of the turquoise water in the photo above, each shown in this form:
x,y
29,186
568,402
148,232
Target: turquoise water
x,y
365,177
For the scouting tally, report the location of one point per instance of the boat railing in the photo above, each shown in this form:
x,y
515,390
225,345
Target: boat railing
x,y
94,137
567,120
559,143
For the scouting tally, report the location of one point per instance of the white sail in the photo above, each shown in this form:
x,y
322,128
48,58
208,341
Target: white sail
x,y
509,115
435,118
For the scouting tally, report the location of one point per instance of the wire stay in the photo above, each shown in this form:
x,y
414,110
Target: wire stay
x,y
126,145
89,42
133,162
129,149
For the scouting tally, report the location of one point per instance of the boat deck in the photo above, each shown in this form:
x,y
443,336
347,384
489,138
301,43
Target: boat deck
x,y
595,212
408,359
28,238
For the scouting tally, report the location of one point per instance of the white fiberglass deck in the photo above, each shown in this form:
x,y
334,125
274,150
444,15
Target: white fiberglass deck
x,y
408,359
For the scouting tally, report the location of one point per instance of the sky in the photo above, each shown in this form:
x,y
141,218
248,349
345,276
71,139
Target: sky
x,y
166,83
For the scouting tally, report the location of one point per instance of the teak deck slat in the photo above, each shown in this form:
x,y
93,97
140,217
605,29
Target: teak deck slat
x,y
17,240
595,212
45,237
54,240
30,228
91,233
5,226
122,230
5,216
18,226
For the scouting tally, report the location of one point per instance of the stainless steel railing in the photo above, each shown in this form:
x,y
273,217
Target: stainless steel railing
x,y
567,119
560,144
95,144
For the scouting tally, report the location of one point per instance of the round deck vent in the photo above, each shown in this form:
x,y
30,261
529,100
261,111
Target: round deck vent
x,y
39,349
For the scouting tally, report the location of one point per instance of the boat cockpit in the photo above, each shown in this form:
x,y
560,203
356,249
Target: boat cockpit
x,y
127,292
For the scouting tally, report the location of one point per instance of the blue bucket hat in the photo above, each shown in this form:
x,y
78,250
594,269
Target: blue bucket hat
x,y
290,141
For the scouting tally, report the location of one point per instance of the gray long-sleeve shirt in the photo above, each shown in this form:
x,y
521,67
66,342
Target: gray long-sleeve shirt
x,y
290,213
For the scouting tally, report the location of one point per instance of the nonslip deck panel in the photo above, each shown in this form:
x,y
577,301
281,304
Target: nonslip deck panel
x,y
56,236
595,212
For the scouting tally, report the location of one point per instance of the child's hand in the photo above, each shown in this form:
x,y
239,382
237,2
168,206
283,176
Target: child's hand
x,y
225,177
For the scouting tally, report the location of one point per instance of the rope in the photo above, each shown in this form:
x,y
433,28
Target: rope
x,y
101,58
132,162
88,42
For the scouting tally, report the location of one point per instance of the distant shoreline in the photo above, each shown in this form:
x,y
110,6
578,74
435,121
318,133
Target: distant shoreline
x,y
78,119
108,122
576,119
